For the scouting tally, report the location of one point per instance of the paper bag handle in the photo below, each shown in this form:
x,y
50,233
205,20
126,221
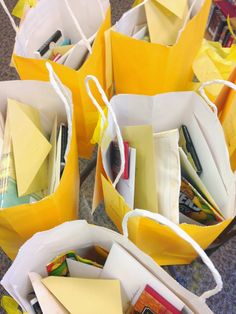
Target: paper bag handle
x,y
63,95
101,8
79,28
204,96
99,108
182,234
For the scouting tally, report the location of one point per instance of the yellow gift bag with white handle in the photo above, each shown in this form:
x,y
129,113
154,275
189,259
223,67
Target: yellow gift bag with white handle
x,y
151,48
19,222
82,23
163,113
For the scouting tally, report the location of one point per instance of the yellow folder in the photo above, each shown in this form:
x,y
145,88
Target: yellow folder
x,y
140,137
30,148
165,19
88,296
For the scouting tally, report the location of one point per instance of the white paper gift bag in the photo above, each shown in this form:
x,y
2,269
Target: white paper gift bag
x,y
44,246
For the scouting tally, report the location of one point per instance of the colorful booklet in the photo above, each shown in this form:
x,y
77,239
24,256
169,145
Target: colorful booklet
x,y
94,256
194,206
151,302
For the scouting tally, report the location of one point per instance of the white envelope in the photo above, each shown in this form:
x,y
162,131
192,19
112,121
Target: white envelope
x,y
82,270
133,275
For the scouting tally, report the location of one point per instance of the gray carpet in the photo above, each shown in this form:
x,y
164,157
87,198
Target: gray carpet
x,y
195,277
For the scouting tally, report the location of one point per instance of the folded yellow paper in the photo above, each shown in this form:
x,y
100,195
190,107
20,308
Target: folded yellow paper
x,y
88,296
140,137
30,148
165,19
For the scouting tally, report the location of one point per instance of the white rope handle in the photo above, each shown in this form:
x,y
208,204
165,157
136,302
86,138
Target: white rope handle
x,y
204,96
84,38
9,15
118,132
182,234
64,96
101,8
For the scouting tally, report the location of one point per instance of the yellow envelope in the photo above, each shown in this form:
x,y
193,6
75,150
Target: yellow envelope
x,y
88,296
165,18
140,137
30,148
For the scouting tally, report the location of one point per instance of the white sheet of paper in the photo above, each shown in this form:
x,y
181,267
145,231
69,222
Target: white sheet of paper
x,y
131,19
82,270
133,275
126,187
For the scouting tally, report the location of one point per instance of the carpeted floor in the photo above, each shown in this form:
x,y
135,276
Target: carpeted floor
x,y
195,277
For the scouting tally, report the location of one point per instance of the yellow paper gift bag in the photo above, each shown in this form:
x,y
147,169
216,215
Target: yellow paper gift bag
x,y
130,110
30,35
19,223
141,67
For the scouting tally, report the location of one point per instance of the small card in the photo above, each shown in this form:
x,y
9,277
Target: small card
x,y
82,270
126,187
151,302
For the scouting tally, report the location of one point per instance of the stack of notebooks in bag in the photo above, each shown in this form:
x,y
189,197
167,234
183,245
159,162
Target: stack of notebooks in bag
x,y
92,280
